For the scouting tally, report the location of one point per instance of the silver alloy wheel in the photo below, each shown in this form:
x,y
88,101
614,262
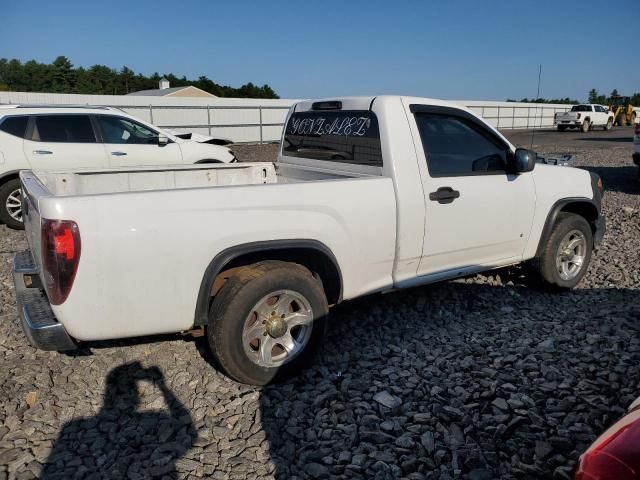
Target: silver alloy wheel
x,y
13,205
571,254
277,328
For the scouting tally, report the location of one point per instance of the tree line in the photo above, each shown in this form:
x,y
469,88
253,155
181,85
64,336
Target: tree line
x,y
62,77
545,100
593,97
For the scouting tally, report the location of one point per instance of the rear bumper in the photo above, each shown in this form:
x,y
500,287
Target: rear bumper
x,y
568,123
39,324
636,158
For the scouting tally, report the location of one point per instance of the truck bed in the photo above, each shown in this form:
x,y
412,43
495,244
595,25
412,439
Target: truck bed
x,y
159,228
119,180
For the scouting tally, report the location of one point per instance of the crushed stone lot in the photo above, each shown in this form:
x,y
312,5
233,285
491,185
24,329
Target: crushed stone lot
x,y
478,378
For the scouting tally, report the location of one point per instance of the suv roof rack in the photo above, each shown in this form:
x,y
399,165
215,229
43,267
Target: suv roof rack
x,y
51,105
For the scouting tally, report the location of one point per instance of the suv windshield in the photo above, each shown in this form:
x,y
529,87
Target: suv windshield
x,y
346,136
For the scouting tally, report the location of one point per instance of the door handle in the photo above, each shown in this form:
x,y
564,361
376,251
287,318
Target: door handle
x,y
444,195
42,152
118,154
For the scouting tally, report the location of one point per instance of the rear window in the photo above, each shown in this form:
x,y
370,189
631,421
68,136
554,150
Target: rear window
x,y
346,136
63,128
15,125
581,108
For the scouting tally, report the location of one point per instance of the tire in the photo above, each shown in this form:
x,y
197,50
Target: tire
x,y
568,227
586,126
621,121
10,212
230,318
561,128
608,125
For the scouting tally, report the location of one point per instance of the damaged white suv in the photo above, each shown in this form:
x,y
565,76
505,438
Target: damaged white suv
x,y
60,137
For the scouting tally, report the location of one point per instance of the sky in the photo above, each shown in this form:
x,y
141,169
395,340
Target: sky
x,y
458,49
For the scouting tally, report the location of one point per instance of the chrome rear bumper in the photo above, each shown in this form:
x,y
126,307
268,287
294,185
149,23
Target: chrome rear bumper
x,y
39,323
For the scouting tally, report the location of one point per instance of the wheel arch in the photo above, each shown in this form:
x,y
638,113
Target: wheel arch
x,y
10,175
585,207
312,254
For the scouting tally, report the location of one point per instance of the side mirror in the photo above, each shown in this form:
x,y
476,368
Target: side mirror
x,y
523,160
162,140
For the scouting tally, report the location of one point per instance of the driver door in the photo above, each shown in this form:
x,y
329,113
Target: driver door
x,y
128,143
477,214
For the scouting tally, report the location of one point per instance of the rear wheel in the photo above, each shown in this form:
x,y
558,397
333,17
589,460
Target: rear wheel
x,y
267,322
621,120
566,254
11,204
586,125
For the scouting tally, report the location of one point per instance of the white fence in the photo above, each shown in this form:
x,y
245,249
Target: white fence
x,y
258,120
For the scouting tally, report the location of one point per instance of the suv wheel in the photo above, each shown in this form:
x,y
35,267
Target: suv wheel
x,y
267,322
585,126
11,204
566,254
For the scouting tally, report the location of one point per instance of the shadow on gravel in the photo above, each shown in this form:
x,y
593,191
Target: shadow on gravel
x,y
119,441
459,380
618,179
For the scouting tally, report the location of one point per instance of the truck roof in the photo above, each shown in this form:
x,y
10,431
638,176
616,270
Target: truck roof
x,y
365,102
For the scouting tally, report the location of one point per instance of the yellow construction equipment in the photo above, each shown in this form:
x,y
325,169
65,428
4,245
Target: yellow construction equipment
x,y
622,109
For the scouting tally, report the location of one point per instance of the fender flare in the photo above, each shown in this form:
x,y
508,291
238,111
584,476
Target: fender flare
x,y
553,215
225,256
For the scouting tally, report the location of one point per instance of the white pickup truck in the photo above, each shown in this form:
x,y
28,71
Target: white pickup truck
x,y
584,117
368,194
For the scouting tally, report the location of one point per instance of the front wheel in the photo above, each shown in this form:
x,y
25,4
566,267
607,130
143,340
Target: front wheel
x,y
566,254
11,204
608,125
267,322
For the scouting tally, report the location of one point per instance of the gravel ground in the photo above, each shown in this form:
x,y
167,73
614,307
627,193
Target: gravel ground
x,y
478,378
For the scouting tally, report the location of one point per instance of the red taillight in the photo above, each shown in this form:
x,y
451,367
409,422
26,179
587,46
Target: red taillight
x,y
578,116
60,257
614,457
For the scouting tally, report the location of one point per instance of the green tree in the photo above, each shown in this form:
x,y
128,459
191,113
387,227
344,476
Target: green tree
x,y
60,76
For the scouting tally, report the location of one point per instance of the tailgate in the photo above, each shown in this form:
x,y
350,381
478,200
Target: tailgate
x,y
32,191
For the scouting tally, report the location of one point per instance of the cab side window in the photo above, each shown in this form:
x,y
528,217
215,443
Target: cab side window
x,y
455,146
63,129
16,126
120,130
